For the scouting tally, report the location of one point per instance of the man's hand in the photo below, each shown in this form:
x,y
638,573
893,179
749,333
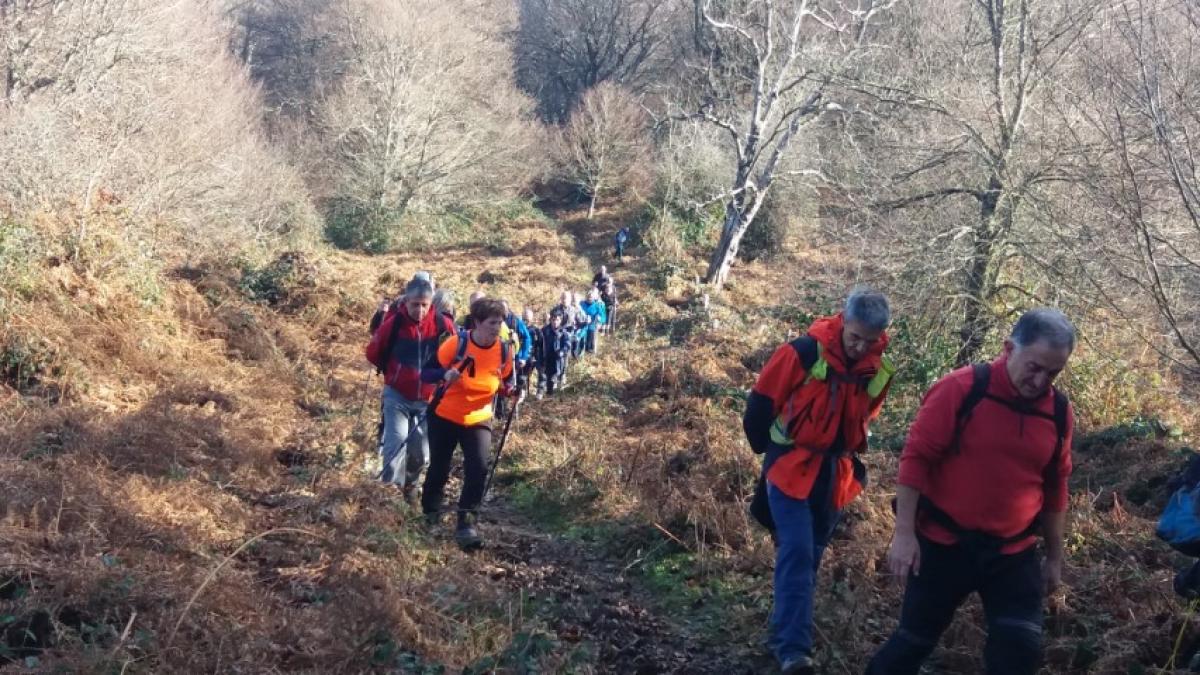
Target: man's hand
x,y
451,376
904,555
1052,574
383,305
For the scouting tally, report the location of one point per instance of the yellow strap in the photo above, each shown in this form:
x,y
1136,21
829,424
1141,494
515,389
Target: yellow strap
x,y
886,370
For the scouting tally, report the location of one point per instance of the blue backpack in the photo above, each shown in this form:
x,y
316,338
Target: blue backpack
x,y
1179,525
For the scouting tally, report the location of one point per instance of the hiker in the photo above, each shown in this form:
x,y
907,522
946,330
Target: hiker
x,y
464,416
808,412
515,333
443,303
601,278
621,237
582,321
608,294
566,310
532,363
556,349
406,339
594,309
468,321
983,472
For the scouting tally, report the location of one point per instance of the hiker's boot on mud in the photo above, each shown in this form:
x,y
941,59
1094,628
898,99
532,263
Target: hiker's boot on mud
x,y
801,665
465,535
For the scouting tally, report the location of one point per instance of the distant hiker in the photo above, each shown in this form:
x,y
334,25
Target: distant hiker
x,y
443,303
983,472
468,321
582,321
407,339
515,333
608,294
593,307
534,359
464,417
601,278
570,320
556,349
619,240
808,412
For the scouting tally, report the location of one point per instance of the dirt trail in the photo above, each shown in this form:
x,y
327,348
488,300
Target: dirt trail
x,y
592,597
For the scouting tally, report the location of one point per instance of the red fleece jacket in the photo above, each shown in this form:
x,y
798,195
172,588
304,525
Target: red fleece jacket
x,y
995,481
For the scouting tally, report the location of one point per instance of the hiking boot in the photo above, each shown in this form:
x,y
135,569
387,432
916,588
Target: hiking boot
x,y
467,538
801,665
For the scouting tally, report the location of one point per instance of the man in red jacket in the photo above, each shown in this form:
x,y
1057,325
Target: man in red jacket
x,y
808,413
407,338
985,470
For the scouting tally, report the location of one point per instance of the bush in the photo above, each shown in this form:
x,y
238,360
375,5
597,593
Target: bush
x,y
351,226
282,284
664,243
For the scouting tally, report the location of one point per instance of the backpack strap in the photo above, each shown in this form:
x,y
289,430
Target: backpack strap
x,y
807,350
1061,406
981,377
391,343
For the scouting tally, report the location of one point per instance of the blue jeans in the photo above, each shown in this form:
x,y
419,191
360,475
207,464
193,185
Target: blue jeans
x,y
803,529
1010,587
402,419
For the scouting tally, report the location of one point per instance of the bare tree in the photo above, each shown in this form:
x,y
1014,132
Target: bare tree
x,y
605,143
795,49
137,100
970,117
291,47
1138,249
426,109
566,47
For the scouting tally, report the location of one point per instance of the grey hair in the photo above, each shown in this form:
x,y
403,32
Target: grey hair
x,y
418,288
1044,324
443,300
424,275
868,307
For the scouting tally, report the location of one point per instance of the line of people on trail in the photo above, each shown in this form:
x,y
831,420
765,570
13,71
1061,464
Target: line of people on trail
x,y
445,383
982,475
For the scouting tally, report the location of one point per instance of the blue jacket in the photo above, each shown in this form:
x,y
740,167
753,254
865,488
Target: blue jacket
x,y
596,311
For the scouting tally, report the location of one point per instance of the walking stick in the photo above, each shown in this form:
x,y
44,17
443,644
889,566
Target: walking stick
x,y
500,447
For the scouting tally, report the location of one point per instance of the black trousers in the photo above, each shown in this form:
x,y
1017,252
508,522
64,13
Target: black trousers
x,y
1011,589
444,437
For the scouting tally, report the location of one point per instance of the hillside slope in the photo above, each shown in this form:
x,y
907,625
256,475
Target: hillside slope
x,y
184,488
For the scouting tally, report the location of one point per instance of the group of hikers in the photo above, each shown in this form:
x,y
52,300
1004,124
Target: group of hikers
x,y
982,474
446,381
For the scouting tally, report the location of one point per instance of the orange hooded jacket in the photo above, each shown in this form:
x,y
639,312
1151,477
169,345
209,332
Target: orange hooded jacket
x,y
811,408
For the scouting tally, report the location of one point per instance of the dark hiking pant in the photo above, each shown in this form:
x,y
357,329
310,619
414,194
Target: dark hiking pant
x,y
444,437
1010,587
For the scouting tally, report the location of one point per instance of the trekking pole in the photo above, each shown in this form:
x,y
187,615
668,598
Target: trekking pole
x,y
500,447
438,394
362,401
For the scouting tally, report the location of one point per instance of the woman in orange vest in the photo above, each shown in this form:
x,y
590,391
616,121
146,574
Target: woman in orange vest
x,y
464,415
808,412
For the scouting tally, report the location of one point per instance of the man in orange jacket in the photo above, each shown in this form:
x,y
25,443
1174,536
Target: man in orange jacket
x,y
808,412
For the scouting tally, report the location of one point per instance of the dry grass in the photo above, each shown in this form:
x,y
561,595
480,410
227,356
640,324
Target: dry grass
x,y
159,472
